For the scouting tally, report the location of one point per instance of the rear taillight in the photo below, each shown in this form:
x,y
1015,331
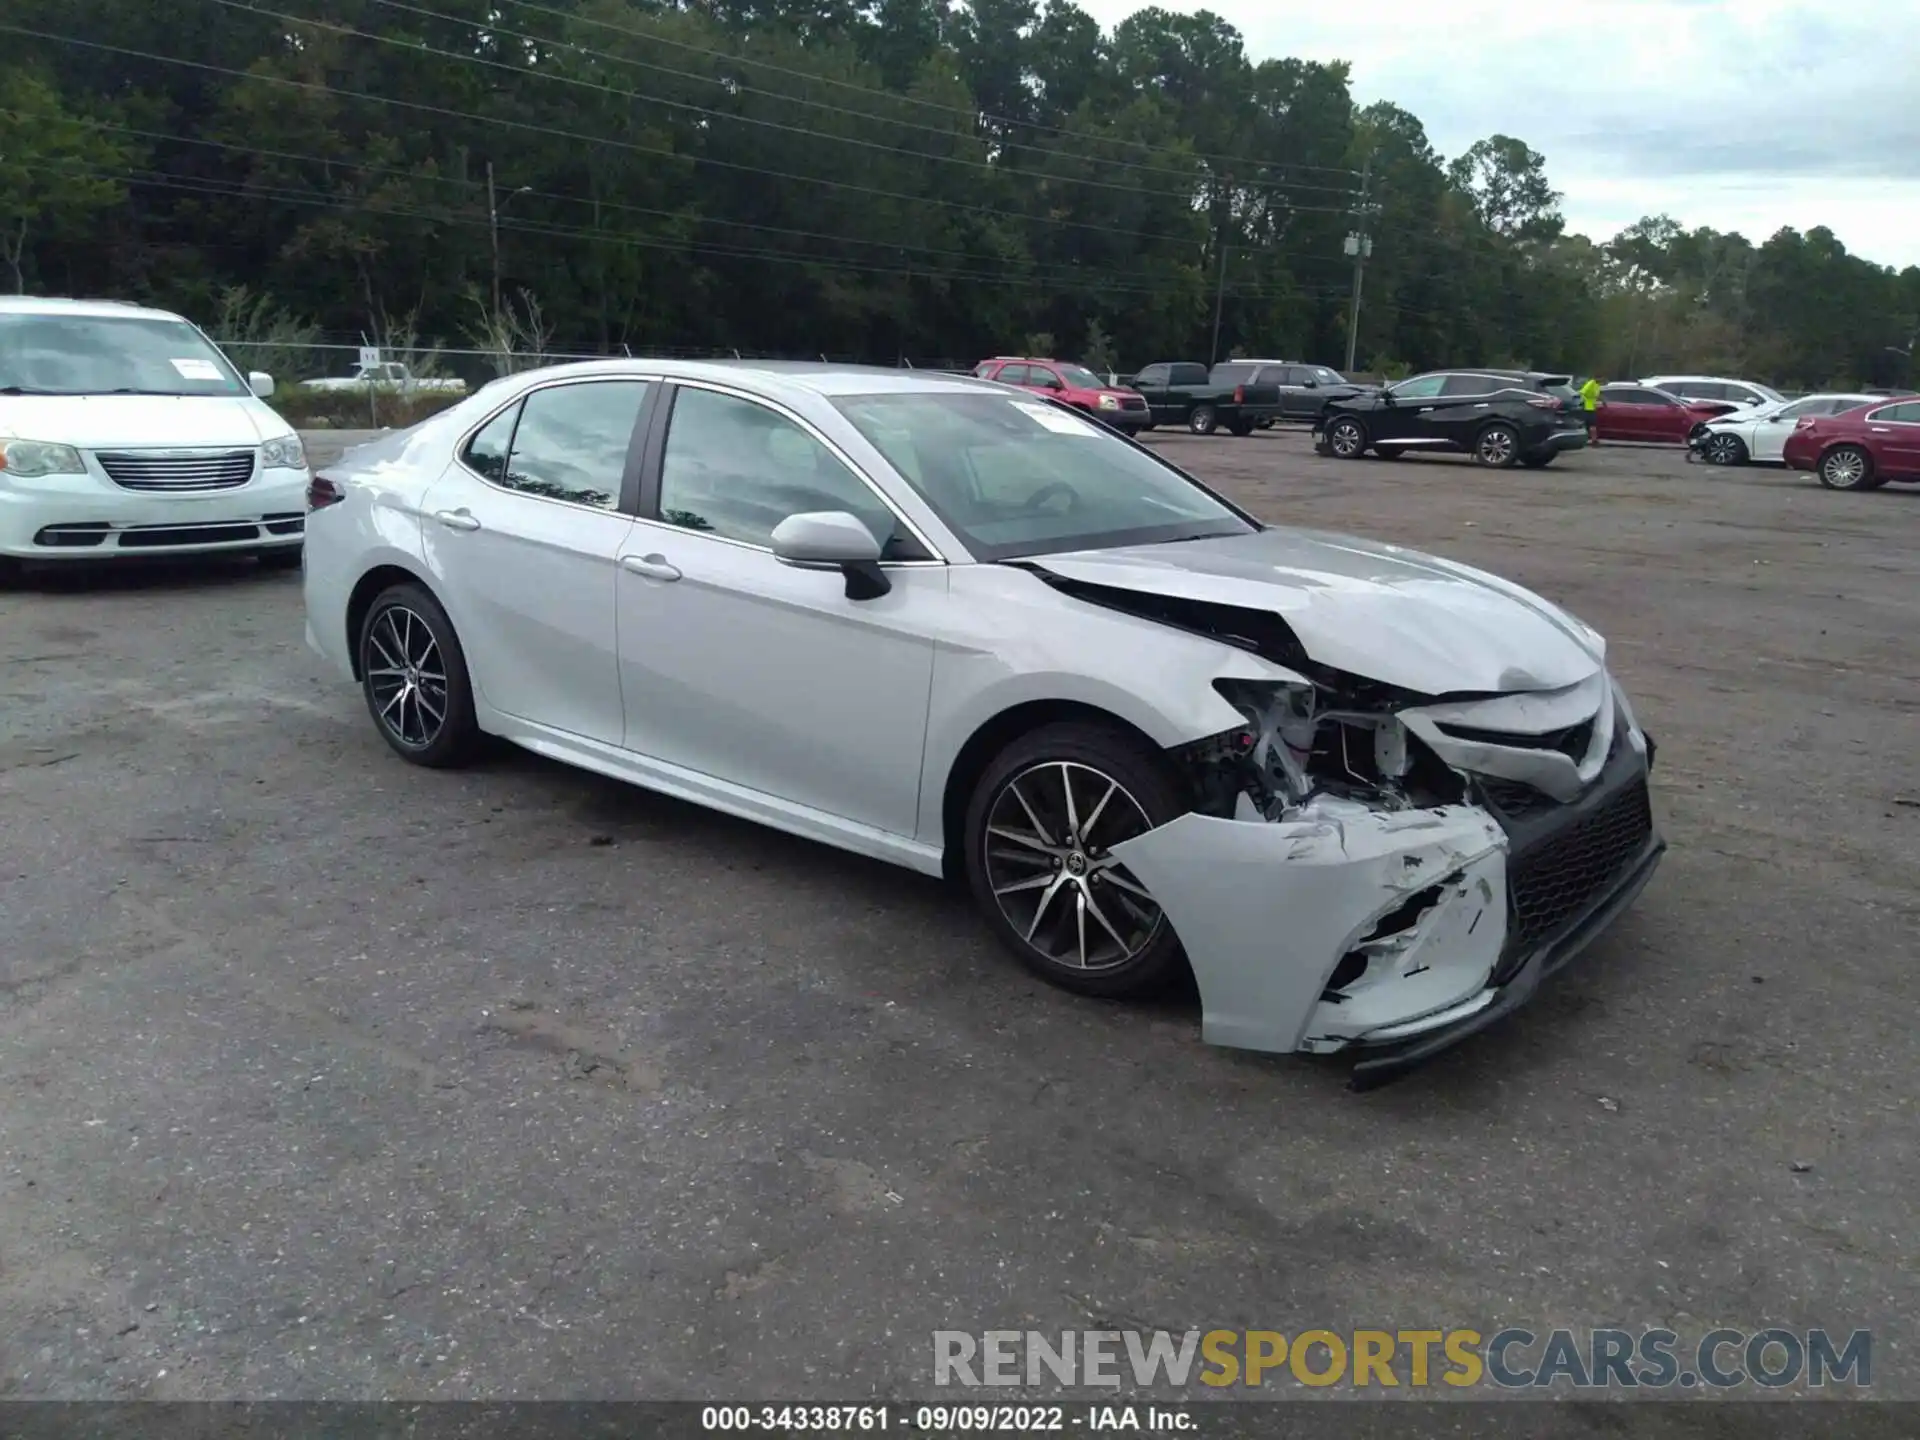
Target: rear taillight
x,y
1805,422
322,492
1543,402
1239,394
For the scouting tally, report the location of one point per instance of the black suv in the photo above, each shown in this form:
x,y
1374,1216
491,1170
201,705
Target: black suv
x,y
1500,417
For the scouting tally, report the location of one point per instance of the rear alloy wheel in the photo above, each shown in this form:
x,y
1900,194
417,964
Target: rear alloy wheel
x,y
1497,446
414,675
1040,834
1346,438
1202,420
1724,450
1847,467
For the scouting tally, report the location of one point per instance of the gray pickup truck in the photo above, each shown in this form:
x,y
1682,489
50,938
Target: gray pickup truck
x,y
1181,392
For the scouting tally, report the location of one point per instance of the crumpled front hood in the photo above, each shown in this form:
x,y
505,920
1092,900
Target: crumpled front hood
x,y
114,422
1374,610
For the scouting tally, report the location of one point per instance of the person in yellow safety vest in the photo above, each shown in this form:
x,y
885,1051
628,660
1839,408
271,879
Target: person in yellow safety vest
x,y
1590,405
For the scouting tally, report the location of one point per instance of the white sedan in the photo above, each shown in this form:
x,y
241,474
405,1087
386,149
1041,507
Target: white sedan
x,y
1372,798
1756,434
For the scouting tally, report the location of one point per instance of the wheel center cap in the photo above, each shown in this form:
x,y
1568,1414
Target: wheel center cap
x,y
1076,864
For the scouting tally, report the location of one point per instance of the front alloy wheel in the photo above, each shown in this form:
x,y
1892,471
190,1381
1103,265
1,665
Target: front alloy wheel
x,y
1847,467
1722,449
1041,833
1346,439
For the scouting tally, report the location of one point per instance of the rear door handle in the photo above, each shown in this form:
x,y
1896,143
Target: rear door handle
x,y
654,567
457,519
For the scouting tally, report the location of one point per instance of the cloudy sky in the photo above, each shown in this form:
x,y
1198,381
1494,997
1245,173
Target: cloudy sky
x,y
1740,114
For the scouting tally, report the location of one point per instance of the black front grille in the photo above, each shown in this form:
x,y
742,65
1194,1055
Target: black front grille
x,y
1571,742
1132,402
149,537
199,470
1556,882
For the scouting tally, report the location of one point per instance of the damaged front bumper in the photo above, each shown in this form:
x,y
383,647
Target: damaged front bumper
x,y
1396,933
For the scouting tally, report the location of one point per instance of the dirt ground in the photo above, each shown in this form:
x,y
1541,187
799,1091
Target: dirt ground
x,y
322,1076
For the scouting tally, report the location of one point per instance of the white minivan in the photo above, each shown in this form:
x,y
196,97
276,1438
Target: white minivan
x,y
125,431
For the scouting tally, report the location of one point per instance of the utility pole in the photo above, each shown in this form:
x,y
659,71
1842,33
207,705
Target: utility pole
x,y
493,229
1359,245
1220,287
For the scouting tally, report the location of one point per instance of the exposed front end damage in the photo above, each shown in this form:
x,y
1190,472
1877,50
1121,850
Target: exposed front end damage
x,y
1373,870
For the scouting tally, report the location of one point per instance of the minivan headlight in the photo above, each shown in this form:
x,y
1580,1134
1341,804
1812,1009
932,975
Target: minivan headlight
x,y
39,457
285,453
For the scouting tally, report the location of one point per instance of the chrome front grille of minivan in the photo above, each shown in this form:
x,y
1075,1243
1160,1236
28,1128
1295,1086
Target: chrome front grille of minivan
x,y
177,470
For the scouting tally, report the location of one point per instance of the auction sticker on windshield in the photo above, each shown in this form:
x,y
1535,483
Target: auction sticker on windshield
x,y
198,370
1053,420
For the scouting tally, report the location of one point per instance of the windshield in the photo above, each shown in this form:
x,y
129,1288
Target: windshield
x,y
1014,476
1081,378
110,355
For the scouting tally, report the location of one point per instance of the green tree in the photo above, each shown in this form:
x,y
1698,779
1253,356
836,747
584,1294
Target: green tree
x,y
58,171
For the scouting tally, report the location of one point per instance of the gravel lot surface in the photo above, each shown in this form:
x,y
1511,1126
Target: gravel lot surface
x,y
324,1076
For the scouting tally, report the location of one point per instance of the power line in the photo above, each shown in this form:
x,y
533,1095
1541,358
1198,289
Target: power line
x,y
616,239
490,29
554,132
860,142
417,177
972,117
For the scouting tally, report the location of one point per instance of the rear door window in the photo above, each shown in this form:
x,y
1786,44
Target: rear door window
x,y
1469,385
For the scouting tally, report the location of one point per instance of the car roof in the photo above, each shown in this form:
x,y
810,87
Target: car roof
x,y
825,379
1538,377
1658,380
91,309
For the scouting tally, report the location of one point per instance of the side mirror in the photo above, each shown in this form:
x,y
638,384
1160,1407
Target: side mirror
x,y
260,383
1310,383
833,540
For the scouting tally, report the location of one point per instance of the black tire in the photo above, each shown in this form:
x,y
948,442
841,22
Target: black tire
x,y
1140,954
281,557
11,571
1202,419
1497,446
392,625
1242,428
1346,438
1724,450
1539,462
1848,467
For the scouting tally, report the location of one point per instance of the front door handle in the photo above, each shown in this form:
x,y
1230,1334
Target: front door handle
x,y
654,567
457,519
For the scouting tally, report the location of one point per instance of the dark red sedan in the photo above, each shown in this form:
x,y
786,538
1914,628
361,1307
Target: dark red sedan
x,y
1639,412
1860,449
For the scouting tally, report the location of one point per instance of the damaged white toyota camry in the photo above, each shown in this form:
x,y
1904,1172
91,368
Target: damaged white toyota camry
x,y
1371,798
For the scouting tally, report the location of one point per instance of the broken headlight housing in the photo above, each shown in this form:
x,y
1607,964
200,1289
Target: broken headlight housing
x,y
1303,740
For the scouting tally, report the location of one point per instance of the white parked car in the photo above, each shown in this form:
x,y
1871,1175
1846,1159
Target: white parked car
x,y
125,431
1714,387
388,375
1758,434
1372,797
